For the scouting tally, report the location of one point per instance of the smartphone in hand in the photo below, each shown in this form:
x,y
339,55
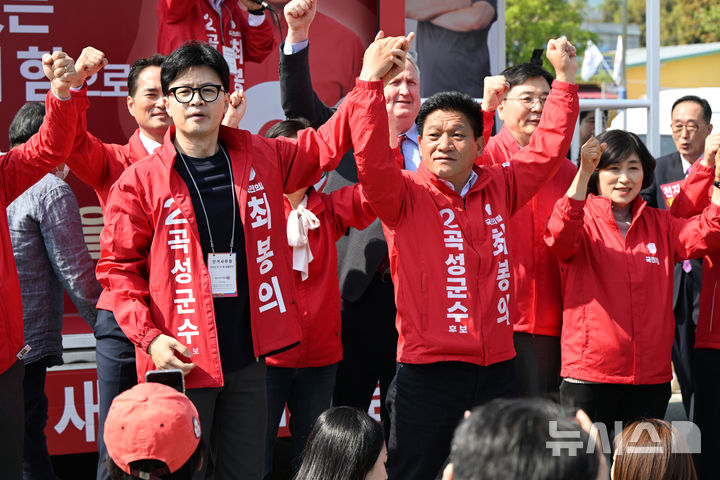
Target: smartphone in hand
x,y
172,378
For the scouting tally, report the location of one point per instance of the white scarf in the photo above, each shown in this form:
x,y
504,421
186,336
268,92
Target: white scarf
x,y
300,221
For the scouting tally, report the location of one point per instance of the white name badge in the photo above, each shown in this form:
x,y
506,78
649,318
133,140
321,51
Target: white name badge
x,y
230,58
223,274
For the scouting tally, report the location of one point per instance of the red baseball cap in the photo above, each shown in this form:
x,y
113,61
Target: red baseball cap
x,y
151,421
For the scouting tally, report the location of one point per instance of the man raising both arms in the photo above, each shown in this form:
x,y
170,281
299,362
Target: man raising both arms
x,y
445,226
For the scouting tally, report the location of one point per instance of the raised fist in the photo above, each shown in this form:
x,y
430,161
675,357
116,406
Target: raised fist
x,y
299,14
563,57
59,68
90,61
494,89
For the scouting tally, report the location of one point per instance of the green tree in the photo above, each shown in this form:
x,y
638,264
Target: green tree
x,y
682,22
529,24
692,21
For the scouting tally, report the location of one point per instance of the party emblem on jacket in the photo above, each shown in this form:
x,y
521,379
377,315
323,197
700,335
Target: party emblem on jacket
x,y
653,250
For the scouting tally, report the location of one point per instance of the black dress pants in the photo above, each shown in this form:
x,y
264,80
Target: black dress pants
x,y
609,403
427,402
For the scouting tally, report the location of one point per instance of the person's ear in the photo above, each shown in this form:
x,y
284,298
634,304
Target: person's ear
x,y
226,102
130,102
166,106
448,472
480,142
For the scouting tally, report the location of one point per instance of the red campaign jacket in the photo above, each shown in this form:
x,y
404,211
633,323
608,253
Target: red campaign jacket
x,y
183,20
538,303
448,255
318,297
20,168
618,323
100,164
694,196
152,268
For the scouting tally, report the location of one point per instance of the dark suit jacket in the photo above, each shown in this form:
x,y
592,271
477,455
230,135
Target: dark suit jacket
x,y
360,252
669,169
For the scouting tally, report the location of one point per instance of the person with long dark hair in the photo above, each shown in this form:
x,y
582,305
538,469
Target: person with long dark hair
x,y
345,444
617,257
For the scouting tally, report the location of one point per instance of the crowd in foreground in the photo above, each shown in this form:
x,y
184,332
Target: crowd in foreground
x,y
508,271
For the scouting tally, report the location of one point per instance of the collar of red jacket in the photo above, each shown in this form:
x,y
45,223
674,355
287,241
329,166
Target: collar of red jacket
x,y
603,205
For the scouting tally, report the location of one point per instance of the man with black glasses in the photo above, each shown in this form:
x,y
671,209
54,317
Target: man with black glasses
x,y
195,263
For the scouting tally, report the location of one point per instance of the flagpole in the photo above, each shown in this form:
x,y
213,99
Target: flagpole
x,y
624,46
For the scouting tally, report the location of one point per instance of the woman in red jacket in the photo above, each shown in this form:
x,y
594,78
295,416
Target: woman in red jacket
x,y
304,376
617,256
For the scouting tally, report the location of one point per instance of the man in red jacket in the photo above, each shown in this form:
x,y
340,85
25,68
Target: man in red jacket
x,y
195,264
239,35
445,226
99,165
20,168
537,310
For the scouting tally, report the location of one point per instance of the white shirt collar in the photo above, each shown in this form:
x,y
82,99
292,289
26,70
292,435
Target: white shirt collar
x,y
468,185
410,149
149,144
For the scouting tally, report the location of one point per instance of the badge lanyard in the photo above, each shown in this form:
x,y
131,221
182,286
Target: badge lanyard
x,y
221,266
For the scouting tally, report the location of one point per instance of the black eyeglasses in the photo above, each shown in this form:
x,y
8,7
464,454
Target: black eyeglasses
x,y
208,93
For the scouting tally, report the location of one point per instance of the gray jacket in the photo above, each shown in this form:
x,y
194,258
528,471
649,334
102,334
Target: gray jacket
x,y
51,255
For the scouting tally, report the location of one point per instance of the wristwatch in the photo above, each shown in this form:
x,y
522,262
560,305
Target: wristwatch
x,y
716,184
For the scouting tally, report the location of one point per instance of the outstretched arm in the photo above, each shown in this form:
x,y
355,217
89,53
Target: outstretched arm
x,y
698,235
695,191
94,162
590,154
297,96
24,165
350,208
564,228
536,163
378,172
494,89
302,160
